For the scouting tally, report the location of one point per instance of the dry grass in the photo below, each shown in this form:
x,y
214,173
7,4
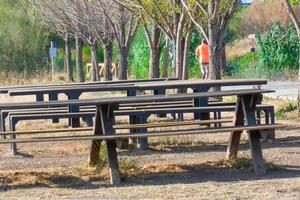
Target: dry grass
x,y
41,77
237,48
262,14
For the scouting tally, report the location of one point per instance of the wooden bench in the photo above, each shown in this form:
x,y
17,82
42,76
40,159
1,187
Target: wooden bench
x,y
105,130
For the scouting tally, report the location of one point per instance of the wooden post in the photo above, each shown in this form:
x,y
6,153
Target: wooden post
x,y
13,124
107,121
234,140
201,102
95,144
53,96
249,107
143,142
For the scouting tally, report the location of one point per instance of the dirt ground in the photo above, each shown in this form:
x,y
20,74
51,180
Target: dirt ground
x,y
182,167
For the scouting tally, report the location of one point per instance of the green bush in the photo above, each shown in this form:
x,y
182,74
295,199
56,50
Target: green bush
x,y
276,57
23,40
279,48
139,56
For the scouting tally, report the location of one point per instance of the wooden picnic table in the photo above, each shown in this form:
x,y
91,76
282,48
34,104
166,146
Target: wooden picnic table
x,y
104,121
159,87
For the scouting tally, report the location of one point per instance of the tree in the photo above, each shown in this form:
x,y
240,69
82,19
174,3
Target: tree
x,y
171,18
153,34
215,15
296,22
53,16
124,25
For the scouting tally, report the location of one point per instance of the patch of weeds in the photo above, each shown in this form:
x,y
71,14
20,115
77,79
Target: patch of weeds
x,y
103,159
239,163
129,166
155,155
244,164
283,110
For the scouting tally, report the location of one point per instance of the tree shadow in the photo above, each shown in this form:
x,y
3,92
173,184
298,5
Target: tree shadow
x,y
203,173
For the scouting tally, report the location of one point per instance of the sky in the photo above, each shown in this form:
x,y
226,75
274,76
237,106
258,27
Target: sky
x,y
246,1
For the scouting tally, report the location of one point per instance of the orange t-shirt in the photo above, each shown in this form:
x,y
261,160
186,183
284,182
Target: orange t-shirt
x,y
202,52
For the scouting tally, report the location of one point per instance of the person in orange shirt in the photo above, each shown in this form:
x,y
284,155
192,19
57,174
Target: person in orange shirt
x,y
202,54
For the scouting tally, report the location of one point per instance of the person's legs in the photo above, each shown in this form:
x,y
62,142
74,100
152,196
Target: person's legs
x,y
203,71
206,71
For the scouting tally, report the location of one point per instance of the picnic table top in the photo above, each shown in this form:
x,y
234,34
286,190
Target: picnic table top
x,y
19,87
135,99
171,84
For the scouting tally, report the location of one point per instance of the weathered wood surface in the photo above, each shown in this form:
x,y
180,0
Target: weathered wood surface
x,y
148,134
154,85
133,99
64,85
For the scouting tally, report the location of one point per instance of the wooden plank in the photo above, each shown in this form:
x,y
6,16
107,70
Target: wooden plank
x,y
106,114
234,139
132,126
45,131
25,87
148,134
142,86
168,124
249,107
136,99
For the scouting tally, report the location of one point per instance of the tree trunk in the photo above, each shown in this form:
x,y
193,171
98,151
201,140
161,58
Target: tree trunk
x,y
154,62
178,56
108,50
155,50
166,59
214,52
68,56
95,74
123,63
223,63
186,55
79,65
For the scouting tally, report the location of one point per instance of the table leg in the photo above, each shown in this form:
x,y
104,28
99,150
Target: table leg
x,y
95,144
13,124
249,107
39,97
132,118
107,121
245,110
234,140
159,92
54,97
143,142
201,102
74,122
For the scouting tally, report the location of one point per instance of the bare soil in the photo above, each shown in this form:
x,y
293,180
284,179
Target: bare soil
x,y
185,167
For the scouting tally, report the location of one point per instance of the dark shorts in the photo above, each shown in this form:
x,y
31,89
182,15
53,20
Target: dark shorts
x,y
204,63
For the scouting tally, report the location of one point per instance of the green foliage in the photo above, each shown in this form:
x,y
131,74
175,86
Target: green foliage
x,y
194,66
295,2
283,110
277,56
240,63
23,41
279,48
139,56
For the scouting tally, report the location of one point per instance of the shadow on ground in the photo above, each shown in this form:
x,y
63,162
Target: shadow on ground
x,y
186,175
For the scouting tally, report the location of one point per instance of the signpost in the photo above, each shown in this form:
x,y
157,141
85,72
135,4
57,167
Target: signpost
x,y
52,52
